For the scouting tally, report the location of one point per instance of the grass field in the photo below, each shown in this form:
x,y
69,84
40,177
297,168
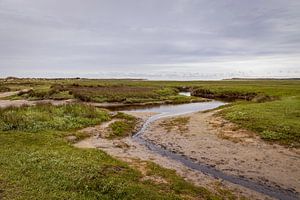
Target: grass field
x,y
37,162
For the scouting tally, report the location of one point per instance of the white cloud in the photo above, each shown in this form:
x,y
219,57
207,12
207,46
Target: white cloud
x,y
204,37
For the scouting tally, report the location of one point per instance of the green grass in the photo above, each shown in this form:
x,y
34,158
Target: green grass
x,y
120,129
41,164
47,117
124,127
276,121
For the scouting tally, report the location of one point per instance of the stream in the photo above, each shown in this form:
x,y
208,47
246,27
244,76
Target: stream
x,y
164,111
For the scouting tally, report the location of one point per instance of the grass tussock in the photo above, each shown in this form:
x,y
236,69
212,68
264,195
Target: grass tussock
x,y
125,126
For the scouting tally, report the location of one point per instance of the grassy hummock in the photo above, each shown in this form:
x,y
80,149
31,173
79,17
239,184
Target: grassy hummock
x,y
124,126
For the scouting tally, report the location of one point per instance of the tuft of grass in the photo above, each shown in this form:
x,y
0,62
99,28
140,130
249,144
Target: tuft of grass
x,y
120,129
125,126
47,117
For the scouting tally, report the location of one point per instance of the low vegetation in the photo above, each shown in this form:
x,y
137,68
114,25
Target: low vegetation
x,y
45,117
254,94
124,126
37,162
276,121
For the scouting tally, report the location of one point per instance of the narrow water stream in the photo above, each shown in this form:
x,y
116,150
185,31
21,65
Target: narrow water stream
x,y
175,110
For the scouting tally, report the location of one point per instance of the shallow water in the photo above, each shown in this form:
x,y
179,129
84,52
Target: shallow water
x,y
180,109
188,94
174,110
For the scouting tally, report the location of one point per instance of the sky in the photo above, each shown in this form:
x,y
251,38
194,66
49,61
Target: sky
x,y
154,39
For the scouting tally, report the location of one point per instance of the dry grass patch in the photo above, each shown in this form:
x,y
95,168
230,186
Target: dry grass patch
x,y
178,123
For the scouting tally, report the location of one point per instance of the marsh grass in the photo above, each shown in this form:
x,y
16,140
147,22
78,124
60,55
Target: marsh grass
x,y
47,117
125,126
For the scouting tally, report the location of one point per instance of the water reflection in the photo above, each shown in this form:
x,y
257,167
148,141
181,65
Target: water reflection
x,y
188,94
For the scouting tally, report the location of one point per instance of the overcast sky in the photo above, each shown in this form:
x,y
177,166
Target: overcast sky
x,y
157,39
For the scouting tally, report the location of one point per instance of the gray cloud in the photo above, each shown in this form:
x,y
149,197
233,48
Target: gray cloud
x,y
139,38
